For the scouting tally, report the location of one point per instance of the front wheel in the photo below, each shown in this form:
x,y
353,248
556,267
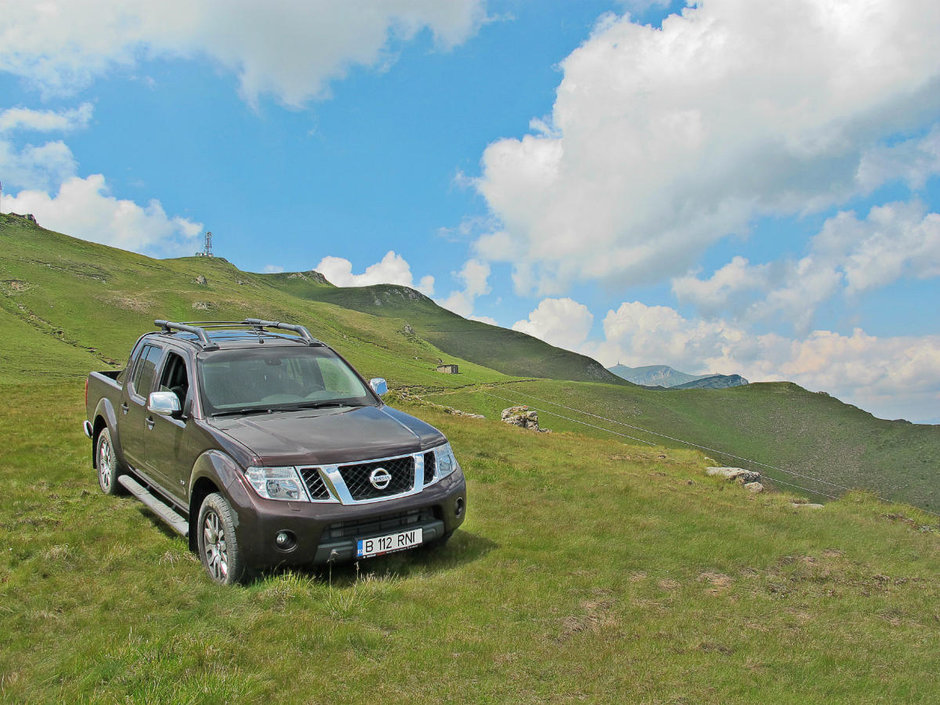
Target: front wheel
x,y
218,544
107,463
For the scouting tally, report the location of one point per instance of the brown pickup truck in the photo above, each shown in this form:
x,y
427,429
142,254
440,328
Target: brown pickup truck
x,y
265,448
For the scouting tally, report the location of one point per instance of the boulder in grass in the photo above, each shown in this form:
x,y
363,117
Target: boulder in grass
x,y
734,474
521,416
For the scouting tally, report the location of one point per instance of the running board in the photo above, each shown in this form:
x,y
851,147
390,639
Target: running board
x,y
165,512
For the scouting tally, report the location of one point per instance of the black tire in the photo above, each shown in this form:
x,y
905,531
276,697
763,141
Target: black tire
x,y
219,551
107,464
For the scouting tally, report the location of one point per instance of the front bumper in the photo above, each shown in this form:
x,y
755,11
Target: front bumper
x,y
328,532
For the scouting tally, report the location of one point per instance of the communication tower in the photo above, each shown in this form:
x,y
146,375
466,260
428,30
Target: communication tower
x,y
207,252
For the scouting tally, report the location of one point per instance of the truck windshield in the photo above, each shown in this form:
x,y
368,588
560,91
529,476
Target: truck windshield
x,y
272,378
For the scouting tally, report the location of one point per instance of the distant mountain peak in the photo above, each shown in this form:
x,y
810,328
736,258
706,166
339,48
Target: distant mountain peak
x,y
669,378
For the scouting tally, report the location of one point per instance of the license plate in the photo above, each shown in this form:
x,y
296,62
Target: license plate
x,y
366,548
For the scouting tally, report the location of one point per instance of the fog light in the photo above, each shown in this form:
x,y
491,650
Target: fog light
x,y
285,540
458,507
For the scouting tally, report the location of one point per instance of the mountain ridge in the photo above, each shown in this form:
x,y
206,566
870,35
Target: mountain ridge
x,y
667,377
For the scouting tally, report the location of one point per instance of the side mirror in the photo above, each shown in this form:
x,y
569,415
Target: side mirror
x,y
379,386
163,403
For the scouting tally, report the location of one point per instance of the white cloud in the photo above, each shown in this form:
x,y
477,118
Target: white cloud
x,y
662,141
30,167
913,161
391,269
891,377
46,120
724,289
45,166
561,322
847,257
272,269
289,49
475,276
84,208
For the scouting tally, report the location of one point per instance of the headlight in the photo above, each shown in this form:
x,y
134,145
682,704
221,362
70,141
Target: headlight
x,y
277,483
446,462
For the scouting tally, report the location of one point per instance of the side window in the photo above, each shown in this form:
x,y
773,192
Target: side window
x,y
129,367
174,378
145,368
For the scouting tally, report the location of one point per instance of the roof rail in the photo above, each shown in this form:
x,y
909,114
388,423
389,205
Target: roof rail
x,y
169,327
201,329
260,325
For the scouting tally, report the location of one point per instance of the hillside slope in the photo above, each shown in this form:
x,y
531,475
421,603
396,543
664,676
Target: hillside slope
x,y
587,571
507,351
68,306
796,437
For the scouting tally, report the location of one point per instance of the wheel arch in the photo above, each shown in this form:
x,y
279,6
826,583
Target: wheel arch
x,y
106,418
213,471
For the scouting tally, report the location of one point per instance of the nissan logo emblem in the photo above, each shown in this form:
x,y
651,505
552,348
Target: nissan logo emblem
x,y
380,478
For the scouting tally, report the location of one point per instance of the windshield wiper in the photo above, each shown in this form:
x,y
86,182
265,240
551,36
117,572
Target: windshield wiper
x,y
243,412
321,404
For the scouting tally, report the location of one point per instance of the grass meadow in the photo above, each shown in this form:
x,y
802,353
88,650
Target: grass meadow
x,y
588,570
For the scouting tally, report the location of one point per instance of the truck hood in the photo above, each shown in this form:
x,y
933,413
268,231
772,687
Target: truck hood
x,y
330,436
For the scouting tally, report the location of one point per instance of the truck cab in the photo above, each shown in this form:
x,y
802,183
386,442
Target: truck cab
x,y
265,447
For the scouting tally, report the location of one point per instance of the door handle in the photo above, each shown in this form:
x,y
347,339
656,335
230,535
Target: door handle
x,y
124,408
150,422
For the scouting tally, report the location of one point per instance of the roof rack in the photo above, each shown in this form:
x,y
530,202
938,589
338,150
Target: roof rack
x,y
201,329
260,325
169,327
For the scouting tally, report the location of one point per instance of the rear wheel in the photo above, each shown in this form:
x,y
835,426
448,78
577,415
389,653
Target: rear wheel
x,y
107,463
218,545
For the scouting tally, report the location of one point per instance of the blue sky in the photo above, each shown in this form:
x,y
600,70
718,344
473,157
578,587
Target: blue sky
x,y
730,187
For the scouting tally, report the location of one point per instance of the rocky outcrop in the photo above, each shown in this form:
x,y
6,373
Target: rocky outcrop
x,y
734,474
750,479
313,275
523,417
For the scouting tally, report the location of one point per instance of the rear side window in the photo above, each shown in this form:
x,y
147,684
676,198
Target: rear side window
x,y
145,368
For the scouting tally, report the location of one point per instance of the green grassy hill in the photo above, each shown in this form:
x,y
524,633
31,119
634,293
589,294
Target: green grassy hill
x,y
508,351
591,567
797,438
68,306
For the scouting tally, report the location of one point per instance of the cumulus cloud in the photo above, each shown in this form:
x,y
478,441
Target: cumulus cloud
x,y
891,377
44,166
913,161
391,269
847,257
725,288
662,141
288,49
46,120
475,276
84,208
561,322
30,167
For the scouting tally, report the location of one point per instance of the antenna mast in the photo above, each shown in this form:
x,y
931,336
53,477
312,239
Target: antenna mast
x,y
207,252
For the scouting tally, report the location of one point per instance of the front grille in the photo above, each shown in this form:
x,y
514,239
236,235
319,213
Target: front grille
x,y
376,527
430,463
314,482
357,480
